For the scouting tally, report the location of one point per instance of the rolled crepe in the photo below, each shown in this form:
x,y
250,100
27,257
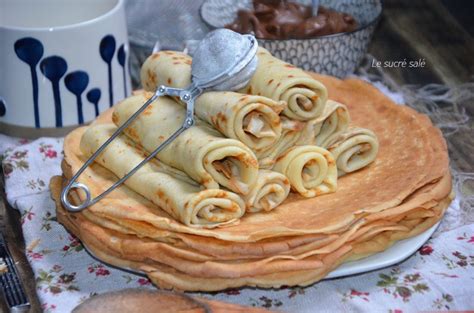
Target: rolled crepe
x,y
201,152
254,120
281,81
182,200
311,170
353,149
170,68
334,120
291,132
271,189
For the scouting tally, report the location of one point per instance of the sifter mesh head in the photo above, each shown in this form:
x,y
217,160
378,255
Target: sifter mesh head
x,y
218,52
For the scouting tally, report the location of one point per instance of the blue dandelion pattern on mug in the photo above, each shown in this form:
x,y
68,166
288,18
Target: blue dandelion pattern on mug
x,y
93,96
3,107
54,68
76,82
122,59
30,51
107,51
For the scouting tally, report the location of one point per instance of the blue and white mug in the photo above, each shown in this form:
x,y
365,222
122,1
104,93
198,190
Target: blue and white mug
x,y
62,62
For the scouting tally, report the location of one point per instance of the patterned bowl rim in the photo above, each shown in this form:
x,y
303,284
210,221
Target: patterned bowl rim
x,y
369,24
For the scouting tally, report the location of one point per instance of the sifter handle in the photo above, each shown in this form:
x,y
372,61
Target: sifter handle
x,y
186,95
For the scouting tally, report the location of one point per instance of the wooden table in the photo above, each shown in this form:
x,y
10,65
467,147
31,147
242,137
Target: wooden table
x,y
442,33
439,31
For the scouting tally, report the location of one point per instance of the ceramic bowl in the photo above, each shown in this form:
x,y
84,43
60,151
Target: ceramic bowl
x,y
337,55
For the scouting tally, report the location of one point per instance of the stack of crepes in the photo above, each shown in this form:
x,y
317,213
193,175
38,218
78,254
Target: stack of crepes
x,y
215,211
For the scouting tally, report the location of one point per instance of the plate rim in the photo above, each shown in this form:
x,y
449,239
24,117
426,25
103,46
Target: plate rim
x,y
398,252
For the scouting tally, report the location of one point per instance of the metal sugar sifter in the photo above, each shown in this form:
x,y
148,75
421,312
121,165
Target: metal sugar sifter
x,y
223,60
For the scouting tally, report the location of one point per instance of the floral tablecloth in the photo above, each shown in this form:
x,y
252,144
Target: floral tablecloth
x,y
440,276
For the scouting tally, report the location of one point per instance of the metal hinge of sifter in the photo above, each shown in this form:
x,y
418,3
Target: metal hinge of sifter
x,y
223,60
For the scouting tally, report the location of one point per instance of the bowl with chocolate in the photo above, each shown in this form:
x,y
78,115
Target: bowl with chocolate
x,y
331,41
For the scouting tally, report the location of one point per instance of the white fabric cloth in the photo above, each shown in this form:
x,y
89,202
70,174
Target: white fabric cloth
x,y
438,277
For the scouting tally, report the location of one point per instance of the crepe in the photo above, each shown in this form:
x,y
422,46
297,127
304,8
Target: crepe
x,y
201,152
317,243
170,68
280,81
169,278
284,245
334,120
291,132
402,193
254,120
412,154
353,149
121,251
133,250
271,189
311,170
182,200
297,247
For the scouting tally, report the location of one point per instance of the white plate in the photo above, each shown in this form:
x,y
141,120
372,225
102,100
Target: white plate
x,y
393,255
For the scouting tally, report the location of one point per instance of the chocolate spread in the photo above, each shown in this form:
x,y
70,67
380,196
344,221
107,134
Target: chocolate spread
x,y
281,19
